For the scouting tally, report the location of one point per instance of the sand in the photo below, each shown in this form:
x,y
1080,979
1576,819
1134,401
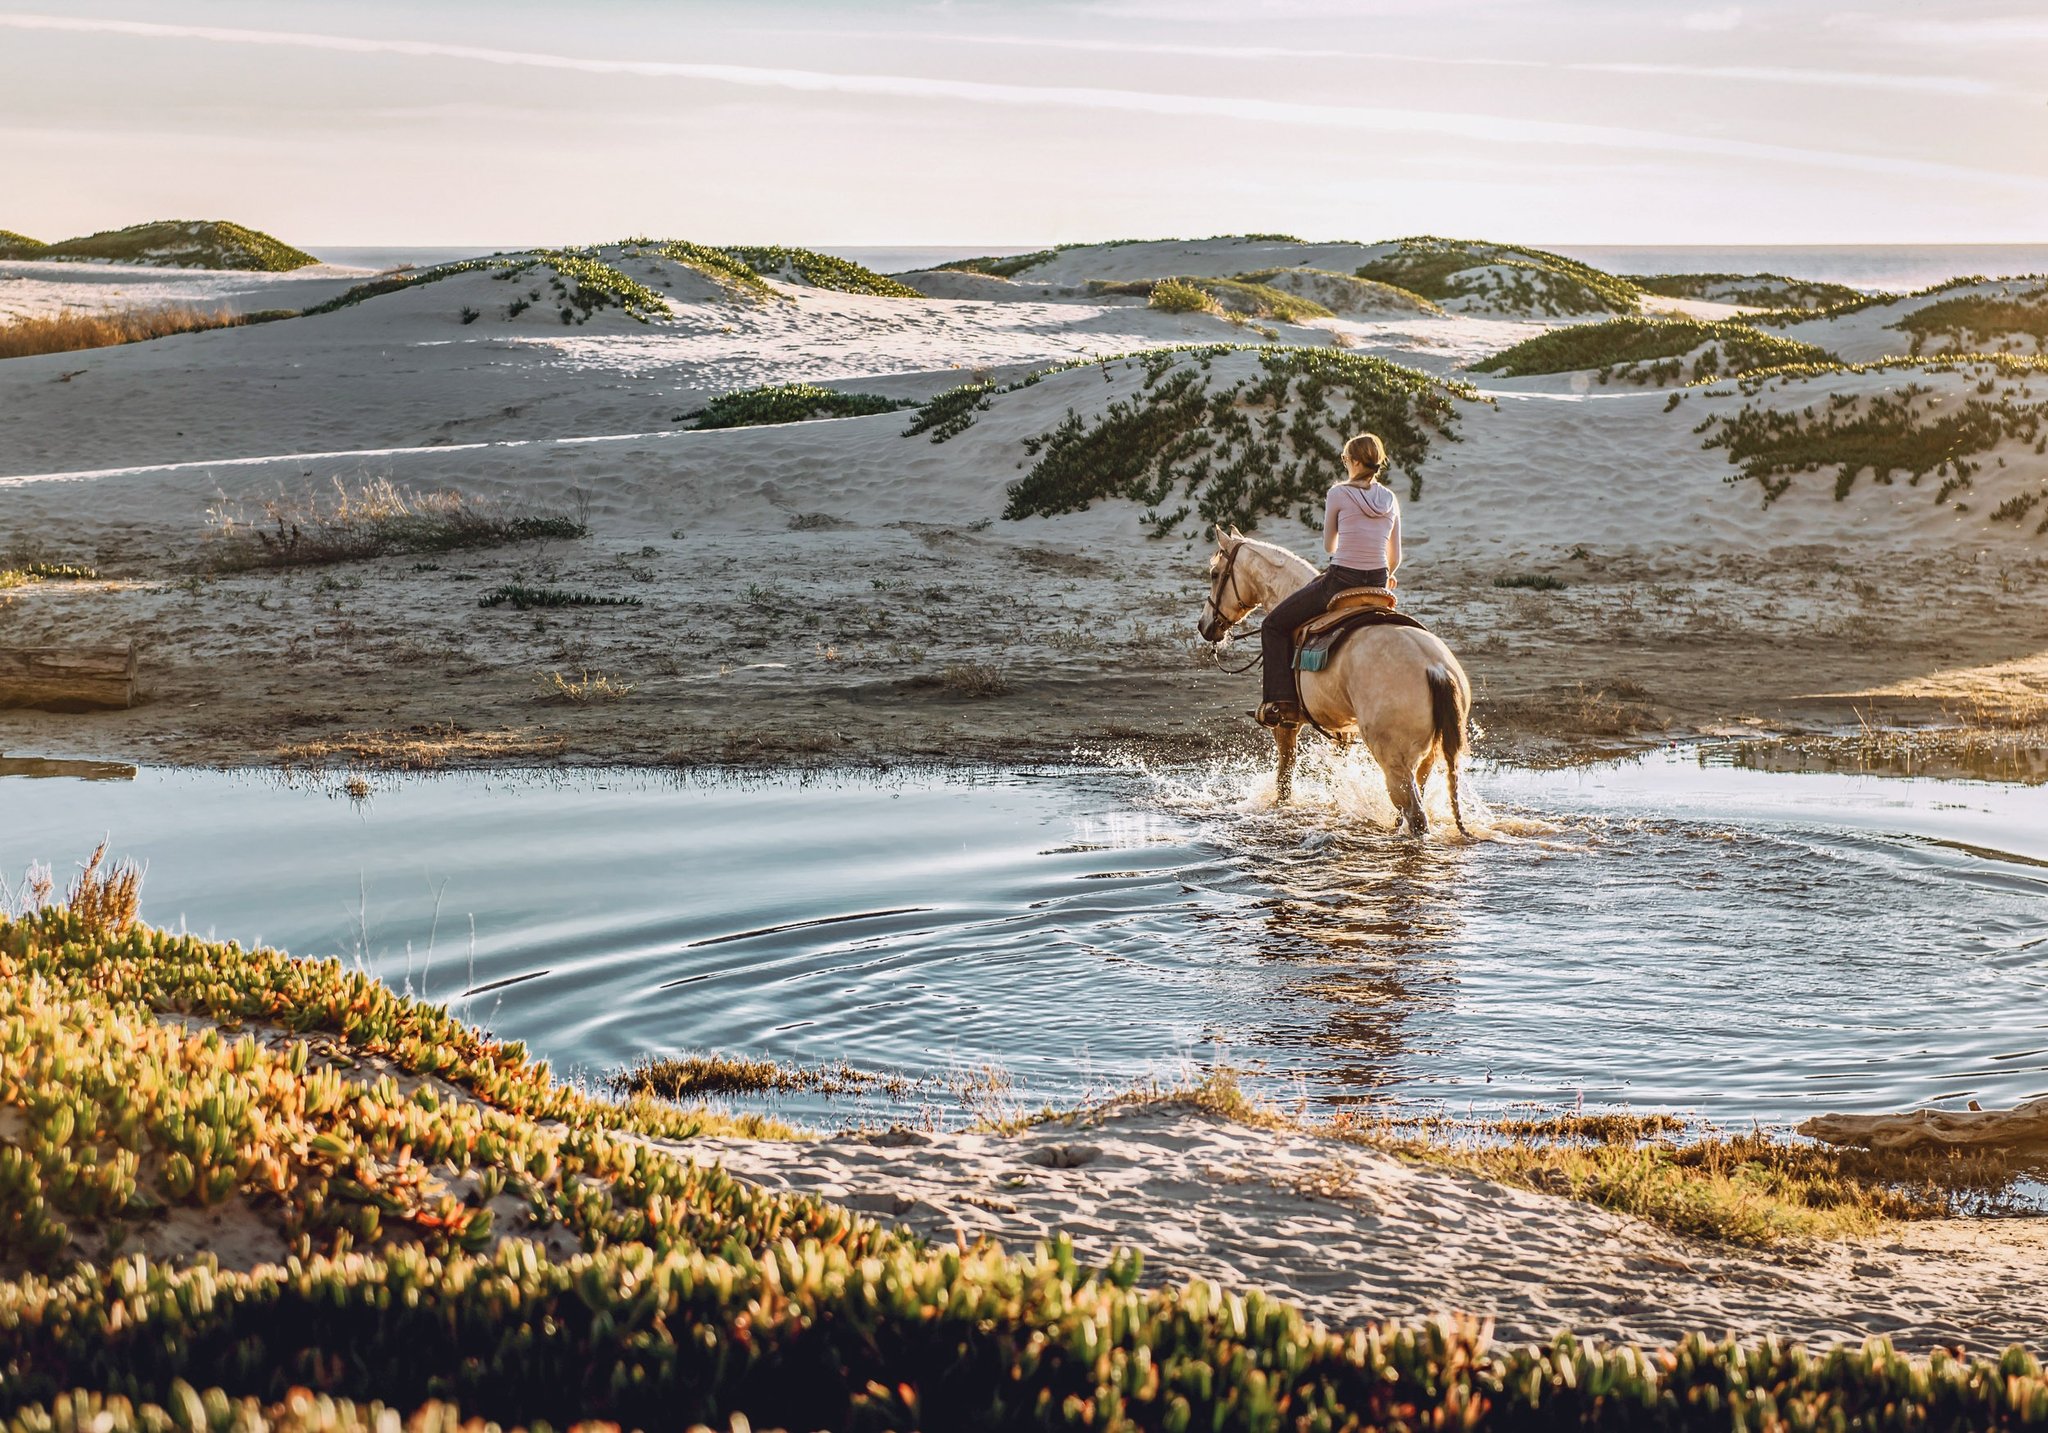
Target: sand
x,y
815,592
1355,1236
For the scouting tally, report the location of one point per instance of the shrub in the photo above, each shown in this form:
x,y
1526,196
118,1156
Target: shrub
x,y
72,330
185,244
821,271
1530,581
1882,434
1180,296
1652,351
790,403
1501,276
1257,447
949,414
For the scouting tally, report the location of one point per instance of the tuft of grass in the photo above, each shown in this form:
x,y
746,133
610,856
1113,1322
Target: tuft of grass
x,y
184,244
686,1077
977,680
45,572
374,518
790,403
1530,581
522,598
589,689
72,330
1240,297
105,899
1676,350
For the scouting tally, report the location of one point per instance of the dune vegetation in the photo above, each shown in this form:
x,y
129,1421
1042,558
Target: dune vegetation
x,y
1198,294
819,271
1011,265
1785,317
71,329
789,403
411,1219
1765,291
1343,293
184,244
1645,350
1191,445
1502,276
581,282
1916,429
373,518
1980,323
19,246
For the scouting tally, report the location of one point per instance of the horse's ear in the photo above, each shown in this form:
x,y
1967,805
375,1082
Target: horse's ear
x,y
1222,537
1234,532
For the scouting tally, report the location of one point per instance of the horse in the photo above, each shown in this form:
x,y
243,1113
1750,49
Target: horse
x,y
1396,688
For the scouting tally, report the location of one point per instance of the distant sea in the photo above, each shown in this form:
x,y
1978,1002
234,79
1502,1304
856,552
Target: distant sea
x,y
1863,266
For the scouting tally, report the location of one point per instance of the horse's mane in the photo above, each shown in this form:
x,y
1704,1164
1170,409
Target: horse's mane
x,y
1274,550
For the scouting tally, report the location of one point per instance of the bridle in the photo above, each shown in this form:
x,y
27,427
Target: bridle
x,y
1218,585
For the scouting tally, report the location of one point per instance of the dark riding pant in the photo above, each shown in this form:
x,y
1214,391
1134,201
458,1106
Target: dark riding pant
x,y
1276,637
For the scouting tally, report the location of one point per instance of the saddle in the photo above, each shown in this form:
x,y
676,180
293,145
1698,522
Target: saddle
x,y
1316,640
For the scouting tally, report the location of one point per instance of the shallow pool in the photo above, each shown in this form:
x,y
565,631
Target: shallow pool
x,y
1670,934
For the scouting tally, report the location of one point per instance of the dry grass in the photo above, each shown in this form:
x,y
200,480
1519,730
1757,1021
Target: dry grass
x,y
372,518
74,329
105,897
590,689
978,680
425,747
1744,1188
689,1077
45,572
1612,708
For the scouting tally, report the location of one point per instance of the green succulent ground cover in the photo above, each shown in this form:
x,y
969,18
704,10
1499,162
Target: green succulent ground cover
x,y
185,243
821,271
1766,291
1256,447
19,246
687,1296
790,403
1785,317
1537,281
1973,320
582,283
1914,429
1643,350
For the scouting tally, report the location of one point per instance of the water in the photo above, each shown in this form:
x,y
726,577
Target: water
x,y
1665,935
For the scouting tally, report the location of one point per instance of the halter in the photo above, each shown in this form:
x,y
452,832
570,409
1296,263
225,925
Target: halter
x,y
1229,579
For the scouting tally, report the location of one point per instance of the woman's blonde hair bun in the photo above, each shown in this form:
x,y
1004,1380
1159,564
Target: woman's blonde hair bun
x,y
1368,452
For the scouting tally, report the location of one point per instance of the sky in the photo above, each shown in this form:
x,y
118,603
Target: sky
x,y
1025,122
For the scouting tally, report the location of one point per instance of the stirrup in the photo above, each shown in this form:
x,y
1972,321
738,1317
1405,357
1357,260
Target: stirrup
x,y
1281,714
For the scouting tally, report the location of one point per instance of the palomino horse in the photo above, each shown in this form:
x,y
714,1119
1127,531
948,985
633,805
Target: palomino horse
x,y
1398,689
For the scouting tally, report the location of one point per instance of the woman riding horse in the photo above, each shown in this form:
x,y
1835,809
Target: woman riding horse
x,y
1362,534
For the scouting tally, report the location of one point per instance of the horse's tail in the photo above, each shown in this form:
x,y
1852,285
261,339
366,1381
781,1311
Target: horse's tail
x,y
1447,713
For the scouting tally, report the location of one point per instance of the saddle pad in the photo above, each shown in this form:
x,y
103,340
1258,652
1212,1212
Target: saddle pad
x,y
1316,640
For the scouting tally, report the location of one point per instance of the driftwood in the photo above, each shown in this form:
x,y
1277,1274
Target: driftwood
x,y
67,678
2022,1126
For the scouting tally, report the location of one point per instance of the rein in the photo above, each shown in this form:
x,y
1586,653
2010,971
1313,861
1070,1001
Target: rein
x,y
1229,579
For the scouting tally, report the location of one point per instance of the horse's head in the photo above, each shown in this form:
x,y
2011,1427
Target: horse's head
x,y
1230,593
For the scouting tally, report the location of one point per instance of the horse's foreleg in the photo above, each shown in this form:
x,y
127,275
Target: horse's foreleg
x,y
1284,740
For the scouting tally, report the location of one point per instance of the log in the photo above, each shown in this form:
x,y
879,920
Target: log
x,y
2023,1126
67,678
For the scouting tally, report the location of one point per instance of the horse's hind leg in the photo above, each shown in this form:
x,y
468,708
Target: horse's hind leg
x,y
1285,739
1407,798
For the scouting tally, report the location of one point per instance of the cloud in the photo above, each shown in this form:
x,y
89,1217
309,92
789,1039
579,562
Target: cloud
x,y
1844,79
1482,128
1726,18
